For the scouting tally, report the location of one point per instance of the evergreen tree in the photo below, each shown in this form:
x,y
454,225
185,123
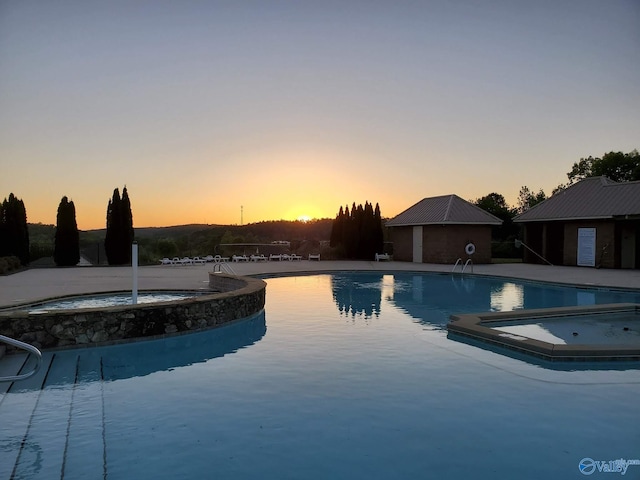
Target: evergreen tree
x,y
358,231
127,223
14,233
337,229
378,233
66,251
111,237
120,233
351,233
367,247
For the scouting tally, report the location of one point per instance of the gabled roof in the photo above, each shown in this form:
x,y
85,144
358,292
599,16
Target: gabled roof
x,y
444,210
589,199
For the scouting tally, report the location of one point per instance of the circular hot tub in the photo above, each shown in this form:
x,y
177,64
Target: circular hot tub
x,y
110,317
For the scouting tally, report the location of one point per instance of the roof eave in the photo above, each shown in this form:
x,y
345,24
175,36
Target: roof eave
x,y
442,223
564,219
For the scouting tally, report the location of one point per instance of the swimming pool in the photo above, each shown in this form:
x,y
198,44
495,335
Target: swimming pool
x,y
349,375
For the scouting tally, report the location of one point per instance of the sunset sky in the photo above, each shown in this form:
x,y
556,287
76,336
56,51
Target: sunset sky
x,y
293,108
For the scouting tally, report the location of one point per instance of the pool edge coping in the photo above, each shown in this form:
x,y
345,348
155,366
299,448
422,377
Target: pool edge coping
x,y
473,325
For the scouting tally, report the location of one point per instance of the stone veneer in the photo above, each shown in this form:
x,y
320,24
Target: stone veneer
x,y
232,298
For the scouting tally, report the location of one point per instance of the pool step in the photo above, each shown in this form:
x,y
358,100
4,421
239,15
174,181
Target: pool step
x,y
10,365
17,410
85,450
52,423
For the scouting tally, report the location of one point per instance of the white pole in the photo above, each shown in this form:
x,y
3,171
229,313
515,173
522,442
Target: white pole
x,y
134,266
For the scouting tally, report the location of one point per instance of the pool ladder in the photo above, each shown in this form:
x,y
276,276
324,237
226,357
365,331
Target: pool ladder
x,y
29,349
463,267
222,267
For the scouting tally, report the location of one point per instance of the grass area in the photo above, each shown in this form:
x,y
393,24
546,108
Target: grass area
x,y
506,260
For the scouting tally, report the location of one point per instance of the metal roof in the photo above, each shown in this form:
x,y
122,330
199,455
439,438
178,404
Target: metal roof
x,y
444,210
591,198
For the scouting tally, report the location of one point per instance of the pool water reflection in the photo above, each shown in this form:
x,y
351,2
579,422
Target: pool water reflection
x,y
354,377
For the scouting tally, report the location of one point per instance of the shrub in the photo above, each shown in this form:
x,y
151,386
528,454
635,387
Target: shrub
x,y
9,264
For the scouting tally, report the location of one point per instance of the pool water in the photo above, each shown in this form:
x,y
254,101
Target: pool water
x,y
583,329
344,376
110,300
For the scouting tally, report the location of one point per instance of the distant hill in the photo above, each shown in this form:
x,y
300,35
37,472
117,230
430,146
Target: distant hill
x,y
189,240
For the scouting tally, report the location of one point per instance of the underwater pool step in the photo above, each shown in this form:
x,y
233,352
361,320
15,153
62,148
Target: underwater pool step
x,y
17,411
65,397
10,365
50,414
85,452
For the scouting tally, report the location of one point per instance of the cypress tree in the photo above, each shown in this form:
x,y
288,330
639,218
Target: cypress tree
x,y
336,229
359,231
14,232
358,235
378,234
367,247
112,234
66,251
127,226
120,233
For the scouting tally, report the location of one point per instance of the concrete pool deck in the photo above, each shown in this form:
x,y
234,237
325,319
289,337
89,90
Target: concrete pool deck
x,y
41,283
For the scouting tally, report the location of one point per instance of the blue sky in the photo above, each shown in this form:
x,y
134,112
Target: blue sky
x,y
293,108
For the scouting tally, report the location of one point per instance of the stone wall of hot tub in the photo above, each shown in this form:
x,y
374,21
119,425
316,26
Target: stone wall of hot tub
x,y
232,298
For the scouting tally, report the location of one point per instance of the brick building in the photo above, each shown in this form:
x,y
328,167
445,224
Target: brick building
x,y
595,222
438,230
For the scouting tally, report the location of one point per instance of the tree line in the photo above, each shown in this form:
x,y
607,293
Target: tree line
x,y
14,231
617,166
355,232
358,233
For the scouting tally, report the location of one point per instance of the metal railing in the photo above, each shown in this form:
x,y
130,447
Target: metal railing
x,y
458,262
31,350
223,267
520,243
466,264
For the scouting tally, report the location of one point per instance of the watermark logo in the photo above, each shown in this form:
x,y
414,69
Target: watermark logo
x,y
588,465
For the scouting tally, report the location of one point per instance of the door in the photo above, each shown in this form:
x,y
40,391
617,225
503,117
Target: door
x,y
628,248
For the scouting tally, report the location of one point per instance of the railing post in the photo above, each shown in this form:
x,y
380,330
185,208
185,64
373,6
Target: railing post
x,y
134,266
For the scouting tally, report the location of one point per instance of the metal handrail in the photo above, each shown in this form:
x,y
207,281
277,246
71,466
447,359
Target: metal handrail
x,y
28,348
223,267
467,263
458,261
520,243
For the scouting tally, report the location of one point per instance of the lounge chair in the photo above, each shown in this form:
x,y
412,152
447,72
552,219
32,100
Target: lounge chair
x,y
275,256
382,256
295,257
240,258
314,256
166,261
258,258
